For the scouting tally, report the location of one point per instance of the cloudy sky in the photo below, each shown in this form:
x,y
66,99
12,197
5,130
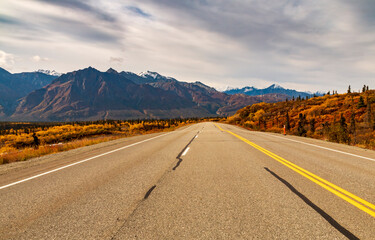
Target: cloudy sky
x,y
300,44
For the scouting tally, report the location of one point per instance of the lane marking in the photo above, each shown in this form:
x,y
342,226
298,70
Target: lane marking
x,y
186,150
82,161
343,194
330,149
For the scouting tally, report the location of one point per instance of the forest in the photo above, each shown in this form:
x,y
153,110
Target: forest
x,y
343,118
23,140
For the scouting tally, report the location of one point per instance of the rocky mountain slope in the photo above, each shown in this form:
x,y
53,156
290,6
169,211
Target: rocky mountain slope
x,y
18,85
89,94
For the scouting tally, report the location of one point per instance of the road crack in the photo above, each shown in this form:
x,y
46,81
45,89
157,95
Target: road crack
x,y
182,151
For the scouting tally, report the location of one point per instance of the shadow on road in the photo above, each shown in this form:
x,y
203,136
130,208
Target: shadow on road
x,y
327,217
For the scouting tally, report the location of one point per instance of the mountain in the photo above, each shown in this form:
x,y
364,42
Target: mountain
x,y
15,86
89,94
207,97
274,88
146,77
49,72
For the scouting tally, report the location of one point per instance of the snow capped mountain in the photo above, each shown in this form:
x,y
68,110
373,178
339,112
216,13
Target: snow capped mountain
x,y
249,89
274,88
149,74
155,76
49,72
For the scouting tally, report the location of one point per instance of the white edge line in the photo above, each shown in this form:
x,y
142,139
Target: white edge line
x,y
186,150
330,149
82,161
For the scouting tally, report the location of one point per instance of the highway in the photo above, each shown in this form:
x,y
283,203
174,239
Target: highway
x,y
204,181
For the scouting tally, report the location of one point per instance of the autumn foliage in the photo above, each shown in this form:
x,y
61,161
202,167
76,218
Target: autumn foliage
x,y
344,118
17,142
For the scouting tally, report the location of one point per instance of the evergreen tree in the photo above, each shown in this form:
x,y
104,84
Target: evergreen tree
x,y
312,125
301,125
343,130
349,89
364,88
361,103
287,123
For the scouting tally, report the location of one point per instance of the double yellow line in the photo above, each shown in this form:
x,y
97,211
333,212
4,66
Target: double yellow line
x,y
342,193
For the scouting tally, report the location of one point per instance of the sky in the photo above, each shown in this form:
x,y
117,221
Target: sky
x,y
306,45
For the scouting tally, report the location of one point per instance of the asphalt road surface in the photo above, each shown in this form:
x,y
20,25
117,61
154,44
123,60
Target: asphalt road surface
x,y
205,181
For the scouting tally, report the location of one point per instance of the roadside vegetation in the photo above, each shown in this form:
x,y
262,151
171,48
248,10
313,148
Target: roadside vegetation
x,y
21,141
343,118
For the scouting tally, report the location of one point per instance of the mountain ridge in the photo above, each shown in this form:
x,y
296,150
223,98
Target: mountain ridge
x,y
89,94
274,88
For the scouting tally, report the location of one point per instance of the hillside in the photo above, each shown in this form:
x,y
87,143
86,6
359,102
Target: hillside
x,y
344,118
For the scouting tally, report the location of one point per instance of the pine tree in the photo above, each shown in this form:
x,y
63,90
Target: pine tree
x,y
361,103
301,125
343,135
312,125
349,90
287,123
364,88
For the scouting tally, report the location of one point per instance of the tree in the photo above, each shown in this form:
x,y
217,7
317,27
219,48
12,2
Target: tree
x,y
364,88
287,123
349,89
36,141
343,130
312,125
301,125
361,103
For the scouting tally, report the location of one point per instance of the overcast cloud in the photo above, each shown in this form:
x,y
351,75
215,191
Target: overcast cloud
x,y
300,44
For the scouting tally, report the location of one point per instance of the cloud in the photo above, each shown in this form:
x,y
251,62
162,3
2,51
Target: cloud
x,y
84,6
37,58
6,60
316,45
138,11
116,59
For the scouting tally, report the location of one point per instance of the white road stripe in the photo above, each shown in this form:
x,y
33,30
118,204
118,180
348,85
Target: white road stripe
x,y
186,150
82,161
330,149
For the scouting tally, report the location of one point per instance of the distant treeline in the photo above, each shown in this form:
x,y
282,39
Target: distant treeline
x,y
16,128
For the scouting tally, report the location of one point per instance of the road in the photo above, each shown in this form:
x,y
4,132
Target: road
x,y
205,181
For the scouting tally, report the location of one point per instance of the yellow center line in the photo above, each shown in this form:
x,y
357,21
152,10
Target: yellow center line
x,y
345,195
